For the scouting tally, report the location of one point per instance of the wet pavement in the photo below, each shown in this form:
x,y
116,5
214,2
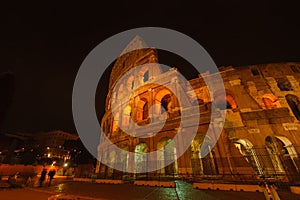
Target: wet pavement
x,y
23,194
128,191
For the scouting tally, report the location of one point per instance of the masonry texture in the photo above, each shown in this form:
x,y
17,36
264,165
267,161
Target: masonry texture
x,y
260,139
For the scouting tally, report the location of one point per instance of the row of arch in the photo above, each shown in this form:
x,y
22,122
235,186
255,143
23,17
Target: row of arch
x,y
269,101
166,153
163,98
130,83
281,155
141,110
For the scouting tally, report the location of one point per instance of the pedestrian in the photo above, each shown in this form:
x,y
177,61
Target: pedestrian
x,y
43,177
28,181
51,175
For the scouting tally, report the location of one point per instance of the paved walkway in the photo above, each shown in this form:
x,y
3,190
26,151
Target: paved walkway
x,y
183,191
95,191
23,194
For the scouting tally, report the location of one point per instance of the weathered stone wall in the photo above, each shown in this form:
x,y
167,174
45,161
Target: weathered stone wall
x,y
261,132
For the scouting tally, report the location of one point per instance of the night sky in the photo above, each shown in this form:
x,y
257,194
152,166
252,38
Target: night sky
x,y
44,45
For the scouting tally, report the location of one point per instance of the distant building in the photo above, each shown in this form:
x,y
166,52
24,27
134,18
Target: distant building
x,y
38,145
51,143
260,138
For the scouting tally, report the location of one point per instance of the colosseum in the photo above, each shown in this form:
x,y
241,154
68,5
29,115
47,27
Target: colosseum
x,y
259,140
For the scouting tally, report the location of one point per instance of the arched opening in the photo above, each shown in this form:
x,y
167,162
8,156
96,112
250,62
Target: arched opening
x,y
146,76
196,162
224,100
145,110
113,98
142,109
230,102
140,158
108,105
143,75
130,83
126,116
294,103
246,149
112,160
165,103
162,98
116,122
284,85
208,158
295,68
120,92
125,158
167,157
283,155
255,72
270,101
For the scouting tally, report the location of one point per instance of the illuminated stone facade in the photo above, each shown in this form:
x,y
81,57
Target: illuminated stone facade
x,y
261,134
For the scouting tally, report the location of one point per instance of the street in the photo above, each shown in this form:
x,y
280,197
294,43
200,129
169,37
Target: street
x,y
128,191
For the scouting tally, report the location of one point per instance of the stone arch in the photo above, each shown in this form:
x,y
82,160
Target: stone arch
x,y
124,158
144,75
142,109
112,161
288,146
120,91
141,158
166,152
165,103
246,149
196,162
220,97
113,99
270,101
284,84
116,122
126,116
208,157
283,155
130,83
159,96
294,103
230,102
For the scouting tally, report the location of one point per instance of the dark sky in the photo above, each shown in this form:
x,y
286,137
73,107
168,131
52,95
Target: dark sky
x,y
44,45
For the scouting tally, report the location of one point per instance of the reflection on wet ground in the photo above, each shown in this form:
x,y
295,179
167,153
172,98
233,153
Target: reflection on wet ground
x,y
127,191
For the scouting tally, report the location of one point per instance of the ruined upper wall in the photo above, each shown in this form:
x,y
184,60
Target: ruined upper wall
x,y
255,87
136,53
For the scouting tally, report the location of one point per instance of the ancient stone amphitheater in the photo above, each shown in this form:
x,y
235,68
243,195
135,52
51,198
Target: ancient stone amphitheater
x,y
261,134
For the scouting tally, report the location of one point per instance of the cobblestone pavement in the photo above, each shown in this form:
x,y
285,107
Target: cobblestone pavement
x,y
127,191
183,191
23,194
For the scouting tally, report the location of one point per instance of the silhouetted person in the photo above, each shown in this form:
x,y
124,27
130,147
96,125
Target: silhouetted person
x,y
51,175
43,177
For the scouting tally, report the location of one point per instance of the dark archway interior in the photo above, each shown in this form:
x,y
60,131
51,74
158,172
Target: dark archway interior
x,y
294,104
